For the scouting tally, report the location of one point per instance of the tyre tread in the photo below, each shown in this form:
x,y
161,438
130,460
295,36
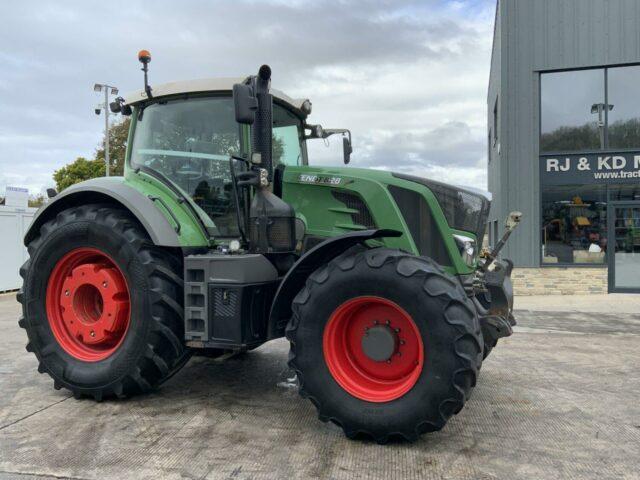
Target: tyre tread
x,y
168,354
406,265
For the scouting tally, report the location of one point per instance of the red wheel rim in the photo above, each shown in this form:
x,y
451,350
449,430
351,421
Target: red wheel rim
x,y
349,360
88,304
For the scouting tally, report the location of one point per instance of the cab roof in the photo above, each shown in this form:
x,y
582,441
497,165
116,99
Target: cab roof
x,y
223,84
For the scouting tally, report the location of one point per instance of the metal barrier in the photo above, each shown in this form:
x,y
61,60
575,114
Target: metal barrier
x,y
13,225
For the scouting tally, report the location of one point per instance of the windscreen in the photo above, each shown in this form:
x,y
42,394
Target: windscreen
x,y
189,142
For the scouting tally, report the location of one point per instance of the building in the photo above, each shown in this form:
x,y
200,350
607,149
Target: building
x,y
564,142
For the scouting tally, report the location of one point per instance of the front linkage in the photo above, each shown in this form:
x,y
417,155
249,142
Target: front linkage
x,y
493,291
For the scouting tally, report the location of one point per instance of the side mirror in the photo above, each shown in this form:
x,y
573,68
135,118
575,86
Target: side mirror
x,y
245,103
346,149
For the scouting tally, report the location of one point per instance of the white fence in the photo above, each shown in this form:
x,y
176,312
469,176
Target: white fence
x,y
13,225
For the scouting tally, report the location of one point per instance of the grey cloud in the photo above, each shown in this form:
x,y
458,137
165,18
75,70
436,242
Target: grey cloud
x,y
450,144
51,53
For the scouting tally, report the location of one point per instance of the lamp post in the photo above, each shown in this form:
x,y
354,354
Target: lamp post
x,y
98,87
600,109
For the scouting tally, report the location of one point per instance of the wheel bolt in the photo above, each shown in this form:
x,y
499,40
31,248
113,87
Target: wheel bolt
x,y
389,361
397,330
67,293
399,354
104,284
388,322
402,342
375,322
92,333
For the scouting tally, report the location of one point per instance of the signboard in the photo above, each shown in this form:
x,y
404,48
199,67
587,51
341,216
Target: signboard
x,y
592,168
16,197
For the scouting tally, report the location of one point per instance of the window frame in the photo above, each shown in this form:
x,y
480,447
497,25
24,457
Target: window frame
x,y
303,142
606,149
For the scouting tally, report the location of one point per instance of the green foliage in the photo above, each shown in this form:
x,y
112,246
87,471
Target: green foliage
x,y
622,134
625,134
584,137
83,169
36,201
78,171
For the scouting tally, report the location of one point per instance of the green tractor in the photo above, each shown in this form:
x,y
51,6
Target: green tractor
x,y
220,237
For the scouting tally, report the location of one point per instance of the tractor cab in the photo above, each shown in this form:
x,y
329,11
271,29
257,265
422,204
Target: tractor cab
x,y
187,132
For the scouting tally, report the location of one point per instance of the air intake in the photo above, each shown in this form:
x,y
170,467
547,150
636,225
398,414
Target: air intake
x,y
353,201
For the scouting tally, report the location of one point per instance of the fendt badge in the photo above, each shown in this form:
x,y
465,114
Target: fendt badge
x,y
319,179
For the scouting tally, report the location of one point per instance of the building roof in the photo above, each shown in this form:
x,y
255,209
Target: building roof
x,y
223,84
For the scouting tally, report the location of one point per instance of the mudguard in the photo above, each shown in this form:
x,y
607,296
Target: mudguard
x,y
110,190
296,277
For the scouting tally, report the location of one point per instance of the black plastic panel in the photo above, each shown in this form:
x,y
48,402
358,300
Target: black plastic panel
x,y
424,230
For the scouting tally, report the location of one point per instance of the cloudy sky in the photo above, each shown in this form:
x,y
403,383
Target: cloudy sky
x,y
409,78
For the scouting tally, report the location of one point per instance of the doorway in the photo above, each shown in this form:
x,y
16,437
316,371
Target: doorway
x,y
624,247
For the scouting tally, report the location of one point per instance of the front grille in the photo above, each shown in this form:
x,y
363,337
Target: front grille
x,y
464,210
353,201
422,226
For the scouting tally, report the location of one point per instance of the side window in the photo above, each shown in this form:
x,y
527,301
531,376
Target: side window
x,y
287,137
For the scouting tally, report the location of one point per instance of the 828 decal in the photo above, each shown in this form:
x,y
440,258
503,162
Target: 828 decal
x,y
319,179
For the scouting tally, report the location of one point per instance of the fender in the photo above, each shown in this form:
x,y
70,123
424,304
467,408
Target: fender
x,y
297,276
109,190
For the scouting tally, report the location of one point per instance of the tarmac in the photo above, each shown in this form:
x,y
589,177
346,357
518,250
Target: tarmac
x,y
557,400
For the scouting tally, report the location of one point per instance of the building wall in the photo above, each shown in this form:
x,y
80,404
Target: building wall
x,y
493,148
536,36
560,281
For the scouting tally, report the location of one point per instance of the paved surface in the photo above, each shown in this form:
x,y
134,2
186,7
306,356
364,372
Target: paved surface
x,y
558,400
612,303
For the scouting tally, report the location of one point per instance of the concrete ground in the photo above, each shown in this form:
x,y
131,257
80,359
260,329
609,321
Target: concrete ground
x,y
557,400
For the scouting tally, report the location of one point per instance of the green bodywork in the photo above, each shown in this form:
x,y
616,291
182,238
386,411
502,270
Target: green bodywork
x,y
322,214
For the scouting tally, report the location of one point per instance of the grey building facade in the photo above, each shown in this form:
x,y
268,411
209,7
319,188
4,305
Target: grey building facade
x,y
564,138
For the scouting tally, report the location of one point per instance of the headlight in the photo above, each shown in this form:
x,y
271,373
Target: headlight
x,y
467,248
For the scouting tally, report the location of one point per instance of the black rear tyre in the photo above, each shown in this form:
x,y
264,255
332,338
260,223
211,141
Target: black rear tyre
x,y
438,307
151,348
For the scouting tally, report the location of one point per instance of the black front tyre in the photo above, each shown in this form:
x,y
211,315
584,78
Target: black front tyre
x,y
102,306
385,344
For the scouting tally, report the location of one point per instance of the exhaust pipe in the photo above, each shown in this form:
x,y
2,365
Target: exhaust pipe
x,y
262,125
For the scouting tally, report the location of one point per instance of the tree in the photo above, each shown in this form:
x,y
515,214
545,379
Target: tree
x,y
36,201
78,171
118,134
84,169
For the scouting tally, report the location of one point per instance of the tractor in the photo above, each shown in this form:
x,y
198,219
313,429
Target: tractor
x,y
221,236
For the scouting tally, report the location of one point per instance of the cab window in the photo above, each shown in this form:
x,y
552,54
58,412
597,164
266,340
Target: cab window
x,y
287,137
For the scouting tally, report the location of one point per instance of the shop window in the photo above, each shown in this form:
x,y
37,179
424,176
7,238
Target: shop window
x,y
628,192
624,107
572,110
574,224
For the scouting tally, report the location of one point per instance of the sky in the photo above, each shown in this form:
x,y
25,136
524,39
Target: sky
x,y
409,78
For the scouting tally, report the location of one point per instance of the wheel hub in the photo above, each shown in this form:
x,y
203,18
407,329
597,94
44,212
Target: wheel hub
x,y
88,304
379,343
373,349
93,301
